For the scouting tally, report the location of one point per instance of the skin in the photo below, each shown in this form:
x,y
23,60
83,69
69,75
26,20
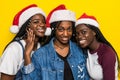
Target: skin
x,y
86,37
35,30
62,37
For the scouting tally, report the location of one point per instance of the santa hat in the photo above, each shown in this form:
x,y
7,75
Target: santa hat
x,y
22,16
85,19
59,14
48,30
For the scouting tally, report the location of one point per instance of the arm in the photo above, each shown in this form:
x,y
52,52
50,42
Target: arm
x,y
30,70
33,70
7,77
29,46
108,64
10,61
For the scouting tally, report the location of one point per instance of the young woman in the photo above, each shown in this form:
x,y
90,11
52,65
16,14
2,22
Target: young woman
x,y
60,59
29,26
102,61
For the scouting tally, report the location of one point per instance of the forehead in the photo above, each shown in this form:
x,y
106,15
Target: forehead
x,y
37,16
81,26
65,24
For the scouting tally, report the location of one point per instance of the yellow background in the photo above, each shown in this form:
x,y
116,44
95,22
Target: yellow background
x,y
107,13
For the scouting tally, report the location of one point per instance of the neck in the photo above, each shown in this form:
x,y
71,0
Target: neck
x,y
61,49
94,45
59,45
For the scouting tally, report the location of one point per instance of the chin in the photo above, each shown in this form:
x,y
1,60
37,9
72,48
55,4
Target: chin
x,y
65,42
40,35
83,46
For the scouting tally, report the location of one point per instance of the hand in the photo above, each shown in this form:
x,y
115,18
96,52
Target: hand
x,y
29,45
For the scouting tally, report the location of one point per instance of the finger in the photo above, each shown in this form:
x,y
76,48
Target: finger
x,y
30,32
33,37
27,33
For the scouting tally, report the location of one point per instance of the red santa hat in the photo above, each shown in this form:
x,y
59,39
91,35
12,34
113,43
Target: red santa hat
x,y
59,14
85,19
22,16
60,7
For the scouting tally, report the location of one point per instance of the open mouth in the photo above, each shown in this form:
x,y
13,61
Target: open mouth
x,y
41,29
82,41
65,39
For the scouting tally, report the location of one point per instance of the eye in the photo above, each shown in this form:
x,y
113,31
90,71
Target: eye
x,y
36,22
44,22
69,29
60,29
83,32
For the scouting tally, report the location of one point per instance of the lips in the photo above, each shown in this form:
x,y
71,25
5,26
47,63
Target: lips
x,y
82,41
41,29
65,39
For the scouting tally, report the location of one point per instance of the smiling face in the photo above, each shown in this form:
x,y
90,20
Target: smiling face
x,y
37,24
84,35
64,32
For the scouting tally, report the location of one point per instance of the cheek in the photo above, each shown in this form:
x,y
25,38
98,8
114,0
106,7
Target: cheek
x,y
87,36
90,38
32,28
70,33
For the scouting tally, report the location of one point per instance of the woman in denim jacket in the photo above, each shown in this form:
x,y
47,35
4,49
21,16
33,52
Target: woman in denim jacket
x,y
61,58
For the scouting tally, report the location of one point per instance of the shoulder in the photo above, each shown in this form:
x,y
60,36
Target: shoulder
x,y
45,49
75,47
107,53
76,51
41,51
13,51
106,50
13,47
11,57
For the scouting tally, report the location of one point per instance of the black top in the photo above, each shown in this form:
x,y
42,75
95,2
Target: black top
x,y
67,70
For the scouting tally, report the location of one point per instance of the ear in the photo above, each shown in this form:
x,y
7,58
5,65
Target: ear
x,y
27,28
94,33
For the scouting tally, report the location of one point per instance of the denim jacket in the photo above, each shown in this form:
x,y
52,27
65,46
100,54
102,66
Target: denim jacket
x,y
46,65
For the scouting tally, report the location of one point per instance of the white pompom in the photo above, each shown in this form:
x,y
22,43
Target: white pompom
x,y
48,31
14,29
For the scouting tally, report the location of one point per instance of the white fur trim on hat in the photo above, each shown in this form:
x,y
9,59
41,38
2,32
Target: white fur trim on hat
x,y
14,29
48,31
29,13
87,21
61,15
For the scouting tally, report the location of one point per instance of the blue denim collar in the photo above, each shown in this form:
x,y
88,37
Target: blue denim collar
x,y
53,53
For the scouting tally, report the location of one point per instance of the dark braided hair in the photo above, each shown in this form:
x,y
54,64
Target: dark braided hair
x,y
102,39
56,24
22,34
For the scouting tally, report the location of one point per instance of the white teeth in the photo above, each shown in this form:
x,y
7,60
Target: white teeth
x,y
82,41
40,29
65,38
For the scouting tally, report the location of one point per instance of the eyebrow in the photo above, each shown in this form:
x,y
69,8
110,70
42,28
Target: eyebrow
x,y
34,19
63,27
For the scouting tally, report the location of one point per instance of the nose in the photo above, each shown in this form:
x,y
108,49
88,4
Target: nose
x,y
42,24
65,33
79,36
